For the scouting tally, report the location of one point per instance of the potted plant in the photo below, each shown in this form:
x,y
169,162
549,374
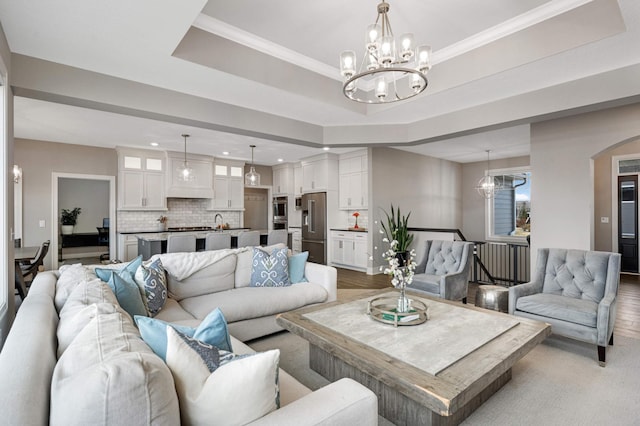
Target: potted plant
x,y
396,229
69,218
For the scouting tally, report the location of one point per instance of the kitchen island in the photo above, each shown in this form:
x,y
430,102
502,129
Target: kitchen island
x,y
156,243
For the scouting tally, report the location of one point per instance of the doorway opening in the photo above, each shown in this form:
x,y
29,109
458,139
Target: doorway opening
x,y
256,208
93,239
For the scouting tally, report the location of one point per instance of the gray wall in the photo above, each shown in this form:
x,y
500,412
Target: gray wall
x,y
38,161
603,187
429,188
91,196
562,153
473,206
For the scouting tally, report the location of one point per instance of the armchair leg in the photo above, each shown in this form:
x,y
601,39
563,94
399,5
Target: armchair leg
x,y
464,300
601,355
611,340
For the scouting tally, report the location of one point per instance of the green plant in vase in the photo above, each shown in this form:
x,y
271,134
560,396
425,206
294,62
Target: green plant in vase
x,y
68,219
397,229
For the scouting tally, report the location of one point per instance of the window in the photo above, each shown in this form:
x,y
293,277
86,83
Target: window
x,y
508,213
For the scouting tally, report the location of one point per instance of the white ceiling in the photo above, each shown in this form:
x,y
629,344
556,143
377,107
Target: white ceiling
x,y
280,57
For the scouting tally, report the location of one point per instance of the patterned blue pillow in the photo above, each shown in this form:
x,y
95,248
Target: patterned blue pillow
x,y
270,270
212,356
153,281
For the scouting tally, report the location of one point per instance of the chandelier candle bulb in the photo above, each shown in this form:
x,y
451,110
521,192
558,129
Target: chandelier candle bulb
x,y
424,58
407,46
373,34
348,63
381,88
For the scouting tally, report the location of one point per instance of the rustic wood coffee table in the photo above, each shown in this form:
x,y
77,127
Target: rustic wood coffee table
x,y
435,373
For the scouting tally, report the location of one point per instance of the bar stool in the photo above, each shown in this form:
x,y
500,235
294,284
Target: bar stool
x,y
217,241
248,238
277,236
177,243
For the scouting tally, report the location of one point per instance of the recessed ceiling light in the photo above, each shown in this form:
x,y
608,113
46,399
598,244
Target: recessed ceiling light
x,y
225,152
280,160
154,144
326,148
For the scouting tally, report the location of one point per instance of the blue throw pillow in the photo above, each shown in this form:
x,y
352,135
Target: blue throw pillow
x,y
105,273
127,293
270,270
212,330
297,263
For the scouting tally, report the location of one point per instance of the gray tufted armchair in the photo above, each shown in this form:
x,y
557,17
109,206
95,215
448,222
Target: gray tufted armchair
x,y
443,270
575,291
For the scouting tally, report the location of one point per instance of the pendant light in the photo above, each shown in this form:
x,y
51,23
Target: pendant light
x,y
252,178
185,173
488,185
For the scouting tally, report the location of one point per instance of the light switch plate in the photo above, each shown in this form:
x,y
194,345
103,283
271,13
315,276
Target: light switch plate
x,y
41,223
604,219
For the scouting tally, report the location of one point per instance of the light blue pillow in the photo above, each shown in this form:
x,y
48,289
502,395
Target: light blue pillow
x,y
212,330
105,273
270,270
127,293
297,263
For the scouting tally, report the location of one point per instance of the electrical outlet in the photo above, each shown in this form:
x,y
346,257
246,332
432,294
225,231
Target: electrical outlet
x,y
41,223
604,219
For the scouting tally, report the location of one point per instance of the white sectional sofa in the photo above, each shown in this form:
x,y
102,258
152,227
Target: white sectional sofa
x,y
106,374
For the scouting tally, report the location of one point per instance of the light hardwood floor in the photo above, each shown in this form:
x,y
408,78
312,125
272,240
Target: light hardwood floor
x,y
627,318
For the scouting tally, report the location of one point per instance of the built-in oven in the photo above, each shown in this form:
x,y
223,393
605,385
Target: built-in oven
x,y
280,212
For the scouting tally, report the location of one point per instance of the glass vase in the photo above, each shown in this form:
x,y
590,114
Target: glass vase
x,y
404,304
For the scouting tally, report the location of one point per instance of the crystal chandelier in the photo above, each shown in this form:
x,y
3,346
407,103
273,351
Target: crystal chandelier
x,y
385,75
252,178
488,185
185,173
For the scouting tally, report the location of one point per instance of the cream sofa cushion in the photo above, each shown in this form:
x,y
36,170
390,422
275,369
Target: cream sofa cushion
x,y
256,302
70,277
108,375
218,276
88,299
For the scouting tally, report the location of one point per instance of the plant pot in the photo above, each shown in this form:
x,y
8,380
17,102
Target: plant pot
x,y
66,229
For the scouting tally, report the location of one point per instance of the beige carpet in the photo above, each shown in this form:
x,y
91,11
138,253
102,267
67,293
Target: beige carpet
x,y
558,383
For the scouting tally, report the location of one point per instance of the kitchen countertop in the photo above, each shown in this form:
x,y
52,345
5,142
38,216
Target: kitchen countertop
x,y
167,232
349,230
162,236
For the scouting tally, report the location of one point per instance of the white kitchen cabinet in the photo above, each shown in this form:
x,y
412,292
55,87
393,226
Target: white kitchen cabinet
x,y
354,177
228,185
127,247
349,249
319,173
296,240
202,184
297,179
141,183
282,180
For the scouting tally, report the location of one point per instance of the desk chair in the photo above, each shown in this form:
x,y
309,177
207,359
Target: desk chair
x,y
177,243
20,285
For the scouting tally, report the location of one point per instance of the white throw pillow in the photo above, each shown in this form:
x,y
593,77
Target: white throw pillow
x,y
236,393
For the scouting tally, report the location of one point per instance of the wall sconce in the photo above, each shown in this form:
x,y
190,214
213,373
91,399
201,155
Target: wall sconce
x,y
17,174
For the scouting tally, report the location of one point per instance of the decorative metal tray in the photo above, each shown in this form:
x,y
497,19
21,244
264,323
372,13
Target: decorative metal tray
x,y
384,309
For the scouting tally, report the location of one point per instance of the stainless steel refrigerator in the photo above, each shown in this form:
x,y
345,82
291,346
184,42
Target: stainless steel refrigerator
x,y
314,226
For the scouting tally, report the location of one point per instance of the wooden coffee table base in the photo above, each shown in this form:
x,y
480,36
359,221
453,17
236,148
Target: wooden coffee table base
x,y
393,405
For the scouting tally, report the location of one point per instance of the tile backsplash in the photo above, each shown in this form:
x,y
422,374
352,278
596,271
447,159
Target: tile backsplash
x,y
181,212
